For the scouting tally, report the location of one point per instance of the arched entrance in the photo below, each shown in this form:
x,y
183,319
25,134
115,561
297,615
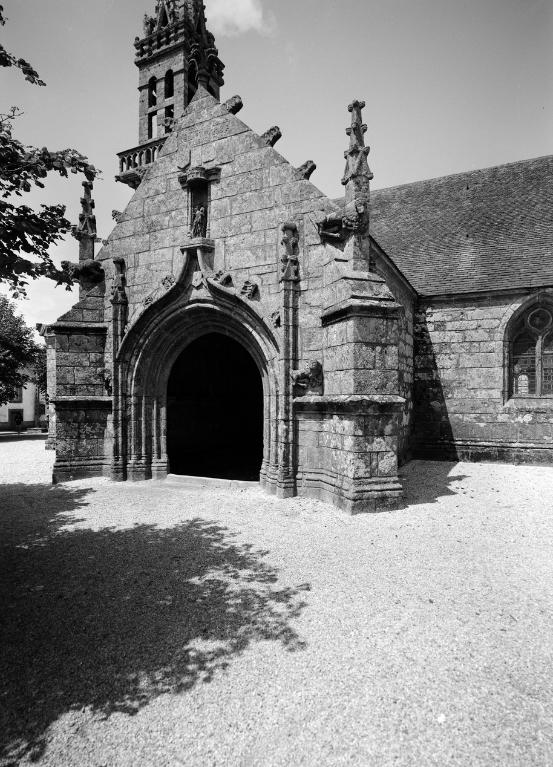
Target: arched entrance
x,y
215,411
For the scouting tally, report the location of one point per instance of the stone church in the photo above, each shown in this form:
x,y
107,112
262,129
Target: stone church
x,y
238,323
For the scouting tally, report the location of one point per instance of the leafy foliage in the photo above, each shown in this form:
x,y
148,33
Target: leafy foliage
x,y
9,60
18,351
26,235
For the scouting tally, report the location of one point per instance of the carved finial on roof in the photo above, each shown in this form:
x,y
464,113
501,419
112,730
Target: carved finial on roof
x,y
234,105
357,166
85,232
271,136
307,169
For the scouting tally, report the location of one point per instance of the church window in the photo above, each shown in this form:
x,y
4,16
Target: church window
x,y
169,84
192,81
152,125
152,92
531,354
18,395
169,118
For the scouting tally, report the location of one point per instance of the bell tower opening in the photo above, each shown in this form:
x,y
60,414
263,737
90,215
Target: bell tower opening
x,y
215,411
175,54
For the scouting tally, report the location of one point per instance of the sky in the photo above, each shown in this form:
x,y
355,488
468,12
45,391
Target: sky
x,y
450,85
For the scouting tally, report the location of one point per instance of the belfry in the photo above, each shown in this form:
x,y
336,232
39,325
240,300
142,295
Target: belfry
x,y
238,323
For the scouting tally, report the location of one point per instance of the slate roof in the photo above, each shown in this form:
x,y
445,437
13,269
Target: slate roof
x,y
482,230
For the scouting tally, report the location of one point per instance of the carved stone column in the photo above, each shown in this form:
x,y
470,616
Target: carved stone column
x,y
289,284
120,307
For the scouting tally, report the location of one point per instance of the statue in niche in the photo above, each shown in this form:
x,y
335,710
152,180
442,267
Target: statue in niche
x,y
199,222
310,379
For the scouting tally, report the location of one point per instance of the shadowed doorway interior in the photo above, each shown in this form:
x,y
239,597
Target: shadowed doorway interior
x,y
215,411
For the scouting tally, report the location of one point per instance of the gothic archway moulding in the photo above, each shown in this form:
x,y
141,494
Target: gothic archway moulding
x,y
144,363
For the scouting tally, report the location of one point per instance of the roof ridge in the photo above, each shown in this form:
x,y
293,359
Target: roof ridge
x,y
463,173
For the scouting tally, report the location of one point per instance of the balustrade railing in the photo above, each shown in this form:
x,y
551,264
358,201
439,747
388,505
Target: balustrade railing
x,y
140,156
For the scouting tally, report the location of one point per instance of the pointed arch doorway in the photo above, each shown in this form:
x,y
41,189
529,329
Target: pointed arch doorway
x,y
215,411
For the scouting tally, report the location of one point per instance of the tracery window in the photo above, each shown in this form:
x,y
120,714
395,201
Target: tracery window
x,y
531,357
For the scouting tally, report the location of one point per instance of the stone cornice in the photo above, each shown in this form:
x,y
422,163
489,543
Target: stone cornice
x,y
82,403
85,328
346,403
358,307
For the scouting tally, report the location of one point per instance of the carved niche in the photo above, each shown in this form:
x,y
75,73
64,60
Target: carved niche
x,y
290,262
198,182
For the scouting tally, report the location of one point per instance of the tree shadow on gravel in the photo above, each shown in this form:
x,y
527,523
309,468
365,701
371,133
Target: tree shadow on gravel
x,y
426,482
111,619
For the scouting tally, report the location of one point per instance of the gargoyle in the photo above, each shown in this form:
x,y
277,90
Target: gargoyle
x,y
87,273
337,226
310,379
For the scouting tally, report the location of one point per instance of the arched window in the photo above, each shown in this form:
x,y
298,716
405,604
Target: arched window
x,y
152,92
192,80
531,353
169,84
152,125
169,119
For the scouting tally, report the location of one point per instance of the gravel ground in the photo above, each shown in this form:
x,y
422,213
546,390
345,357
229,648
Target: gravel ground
x,y
161,624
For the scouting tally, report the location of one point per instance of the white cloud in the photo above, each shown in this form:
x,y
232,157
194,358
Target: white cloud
x,y
234,17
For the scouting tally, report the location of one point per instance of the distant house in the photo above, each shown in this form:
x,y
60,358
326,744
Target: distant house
x,y
25,411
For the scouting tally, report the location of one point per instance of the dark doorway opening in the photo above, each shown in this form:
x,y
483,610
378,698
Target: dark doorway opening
x,y
215,411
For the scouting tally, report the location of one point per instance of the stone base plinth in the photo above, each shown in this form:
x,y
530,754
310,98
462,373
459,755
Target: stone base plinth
x,y
79,468
139,469
348,451
355,496
118,472
160,468
482,451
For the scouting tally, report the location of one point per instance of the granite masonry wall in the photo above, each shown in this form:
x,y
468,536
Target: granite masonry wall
x,y
405,295
111,387
461,396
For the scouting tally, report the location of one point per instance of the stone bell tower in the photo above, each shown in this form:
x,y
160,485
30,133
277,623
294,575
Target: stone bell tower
x,y
175,54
